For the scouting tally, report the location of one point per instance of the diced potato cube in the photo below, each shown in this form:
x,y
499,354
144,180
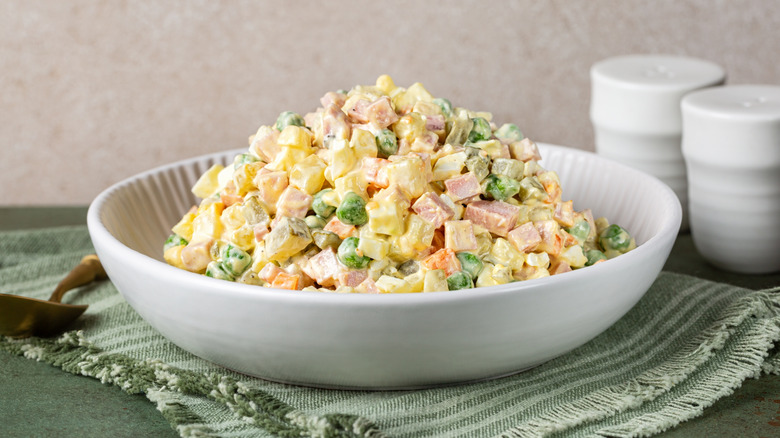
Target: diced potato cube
x,y
353,181
574,256
416,281
286,158
435,281
376,248
505,253
385,218
409,174
343,159
295,137
386,84
309,174
449,166
173,256
208,183
207,224
392,285
184,227
363,144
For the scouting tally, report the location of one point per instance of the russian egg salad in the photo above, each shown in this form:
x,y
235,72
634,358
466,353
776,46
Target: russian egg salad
x,y
385,189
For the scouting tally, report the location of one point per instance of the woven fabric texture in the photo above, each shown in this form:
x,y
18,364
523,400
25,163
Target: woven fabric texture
x,y
686,344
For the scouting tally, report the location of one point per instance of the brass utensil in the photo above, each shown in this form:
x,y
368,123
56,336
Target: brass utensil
x,y
21,317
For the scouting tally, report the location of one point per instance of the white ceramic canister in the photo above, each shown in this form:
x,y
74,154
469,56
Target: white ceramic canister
x,y
635,110
731,144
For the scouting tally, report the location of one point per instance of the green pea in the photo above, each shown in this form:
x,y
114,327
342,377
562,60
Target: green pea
x,y
314,221
288,118
480,130
235,259
459,280
445,105
352,210
470,264
386,143
580,230
174,240
349,256
320,207
500,187
219,271
594,256
509,132
242,159
614,237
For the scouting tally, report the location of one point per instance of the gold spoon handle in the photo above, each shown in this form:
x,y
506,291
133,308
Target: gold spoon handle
x,y
87,271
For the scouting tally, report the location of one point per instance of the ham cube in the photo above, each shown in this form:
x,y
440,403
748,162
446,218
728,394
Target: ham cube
x,y
323,267
559,268
564,213
368,286
552,242
375,171
498,217
270,186
525,237
333,98
269,272
293,203
434,123
335,124
352,277
357,110
463,187
264,143
459,236
381,113
433,209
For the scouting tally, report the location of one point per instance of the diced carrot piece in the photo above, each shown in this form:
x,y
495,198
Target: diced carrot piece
x,y
336,226
445,259
284,280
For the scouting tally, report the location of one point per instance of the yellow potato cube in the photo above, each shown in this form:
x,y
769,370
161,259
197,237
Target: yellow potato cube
x,y
385,218
409,174
172,256
244,176
295,137
343,159
308,175
405,100
504,253
449,166
385,83
363,143
417,237
352,182
208,183
376,248
409,127
416,281
286,158
391,285
574,256
539,260
435,281
184,227
207,224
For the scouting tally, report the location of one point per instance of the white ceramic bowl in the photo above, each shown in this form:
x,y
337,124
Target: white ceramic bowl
x,y
382,341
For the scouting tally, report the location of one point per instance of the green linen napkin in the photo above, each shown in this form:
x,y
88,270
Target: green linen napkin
x,y
687,343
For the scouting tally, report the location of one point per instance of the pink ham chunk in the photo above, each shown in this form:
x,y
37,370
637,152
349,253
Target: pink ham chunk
x,y
264,144
368,286
463,187
335,124
323,267
351,277
270,186
269,272
434,123
552,241
381,113
333,98
525,237
293,203
340,228
459,236
498,217
431,208
358,111
260,231
564,213
375,171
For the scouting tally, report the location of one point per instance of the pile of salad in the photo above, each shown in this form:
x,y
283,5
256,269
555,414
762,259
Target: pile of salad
x,y
385,189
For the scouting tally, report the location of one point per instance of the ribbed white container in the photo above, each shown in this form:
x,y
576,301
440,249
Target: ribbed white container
x,y
731,145
635,110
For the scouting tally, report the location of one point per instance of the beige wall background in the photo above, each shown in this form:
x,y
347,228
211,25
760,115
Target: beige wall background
x,y
94,91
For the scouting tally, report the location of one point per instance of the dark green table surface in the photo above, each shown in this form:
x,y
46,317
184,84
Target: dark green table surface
x,y
39,400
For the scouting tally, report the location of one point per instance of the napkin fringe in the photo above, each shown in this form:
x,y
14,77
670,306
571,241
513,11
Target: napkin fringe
x,y
748,360
75,354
